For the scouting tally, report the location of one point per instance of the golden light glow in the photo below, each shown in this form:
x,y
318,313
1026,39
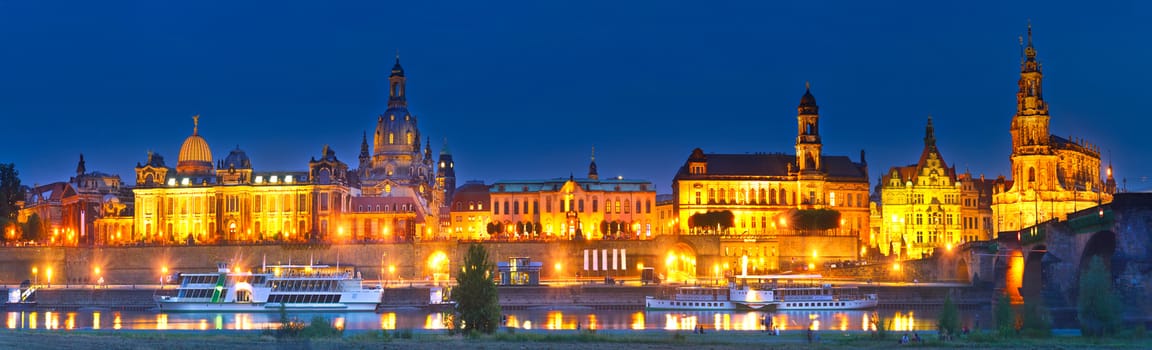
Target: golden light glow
x,y
557,267
895,266
638,320
388,320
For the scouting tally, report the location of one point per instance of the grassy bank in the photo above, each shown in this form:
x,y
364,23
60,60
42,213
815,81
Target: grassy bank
x,y
533,339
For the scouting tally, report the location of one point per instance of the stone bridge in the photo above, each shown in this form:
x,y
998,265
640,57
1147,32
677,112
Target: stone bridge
x,y
1045,262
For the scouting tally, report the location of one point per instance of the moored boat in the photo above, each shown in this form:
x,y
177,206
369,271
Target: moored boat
x,y
809,292
291,287
740,294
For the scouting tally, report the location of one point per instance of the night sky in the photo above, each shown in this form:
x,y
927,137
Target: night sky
x,y
524,91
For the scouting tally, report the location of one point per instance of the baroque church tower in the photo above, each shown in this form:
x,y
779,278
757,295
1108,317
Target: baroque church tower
x,y
808,133
1051,175
395,165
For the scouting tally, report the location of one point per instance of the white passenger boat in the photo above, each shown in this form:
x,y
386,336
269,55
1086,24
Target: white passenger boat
x,y
292,287
809,292
740,294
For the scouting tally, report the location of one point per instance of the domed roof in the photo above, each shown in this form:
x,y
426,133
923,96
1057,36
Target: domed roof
x,y
808,100
195,156
195,149
237,159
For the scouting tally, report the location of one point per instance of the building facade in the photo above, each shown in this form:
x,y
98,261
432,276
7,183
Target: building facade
x,y
574,208
471,212
758,188
394,195
762,190
1051,175
928,205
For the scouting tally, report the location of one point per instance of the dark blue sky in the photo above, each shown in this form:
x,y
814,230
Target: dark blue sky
x,y
525,90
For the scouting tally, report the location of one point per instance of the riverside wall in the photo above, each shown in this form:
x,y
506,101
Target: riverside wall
x,y
402,262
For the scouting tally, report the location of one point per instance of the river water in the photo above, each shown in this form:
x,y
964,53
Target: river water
x,y
554,319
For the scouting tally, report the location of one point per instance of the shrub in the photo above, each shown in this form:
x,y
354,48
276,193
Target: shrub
x,y
320,328
1005,319
949,323
1098,307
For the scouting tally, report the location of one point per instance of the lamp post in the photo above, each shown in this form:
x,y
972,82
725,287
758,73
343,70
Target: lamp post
x,y
48,274
163,275
99,278
35,273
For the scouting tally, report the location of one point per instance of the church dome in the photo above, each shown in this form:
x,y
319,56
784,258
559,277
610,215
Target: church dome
x,y
237,159
195,156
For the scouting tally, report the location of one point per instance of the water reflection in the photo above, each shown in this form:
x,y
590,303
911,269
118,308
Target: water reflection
x,y
568,319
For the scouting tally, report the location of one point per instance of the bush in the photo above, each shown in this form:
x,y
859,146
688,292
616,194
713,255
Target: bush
x,y
1098,307
1037,322
878,322
949,323
320,328
1005,319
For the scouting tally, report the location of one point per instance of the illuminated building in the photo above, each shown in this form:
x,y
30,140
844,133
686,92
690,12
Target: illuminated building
x,y
757,187
1051,175
591,207
394,195
396,170
69,211
928,205
232,203
762,189
471,211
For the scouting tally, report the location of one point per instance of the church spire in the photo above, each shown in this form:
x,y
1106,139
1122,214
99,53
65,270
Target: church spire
x,y
396,84
930,134
1030,125
808,145
80,169
592,173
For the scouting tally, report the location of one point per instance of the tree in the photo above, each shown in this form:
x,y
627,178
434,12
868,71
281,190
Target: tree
x,y
1097,306
949,322
815,219
1005,319
32,228
477,303
10,194
1036,320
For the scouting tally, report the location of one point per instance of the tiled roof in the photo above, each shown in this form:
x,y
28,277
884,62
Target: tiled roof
x,y
772,164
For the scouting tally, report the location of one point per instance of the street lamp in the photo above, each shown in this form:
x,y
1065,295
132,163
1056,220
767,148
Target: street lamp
x,y
35,272
163,275
99,278
48,273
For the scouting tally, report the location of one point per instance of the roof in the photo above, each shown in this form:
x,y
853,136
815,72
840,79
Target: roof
x,y
772,164
52,192
604,185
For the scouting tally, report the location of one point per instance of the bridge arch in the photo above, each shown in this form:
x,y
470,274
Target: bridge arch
x,y
1102,244
1033,280
962,273
680,262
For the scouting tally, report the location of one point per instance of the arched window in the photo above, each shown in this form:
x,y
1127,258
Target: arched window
x,y
1031,174
391,138
409,138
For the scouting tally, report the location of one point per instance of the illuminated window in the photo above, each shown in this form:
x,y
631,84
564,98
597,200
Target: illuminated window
x,y
392,137
409,138
697,197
